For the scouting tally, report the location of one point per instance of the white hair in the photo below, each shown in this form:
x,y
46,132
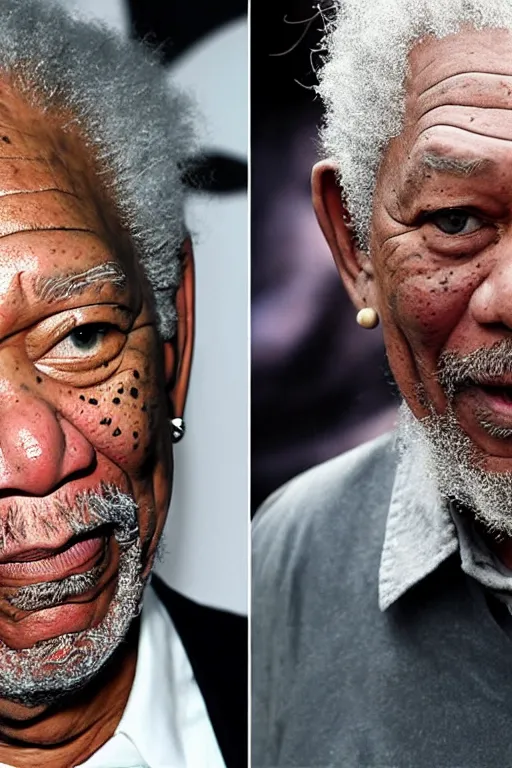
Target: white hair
x,y
137,126
362,77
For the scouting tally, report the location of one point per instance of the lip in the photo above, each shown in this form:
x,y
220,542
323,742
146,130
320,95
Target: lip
x,y
44,564
495,399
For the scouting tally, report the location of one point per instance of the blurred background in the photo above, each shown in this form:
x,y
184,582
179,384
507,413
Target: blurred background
x,y
203,47
320,384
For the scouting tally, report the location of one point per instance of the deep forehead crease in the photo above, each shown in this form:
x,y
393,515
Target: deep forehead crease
x,y
453,79
10,193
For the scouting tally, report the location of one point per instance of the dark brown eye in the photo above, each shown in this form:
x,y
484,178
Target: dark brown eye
x,y
455,221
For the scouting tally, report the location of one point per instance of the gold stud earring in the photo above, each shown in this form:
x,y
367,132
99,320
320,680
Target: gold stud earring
x,y
367,318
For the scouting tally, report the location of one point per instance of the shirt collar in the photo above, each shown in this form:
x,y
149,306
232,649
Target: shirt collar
x,y
150,719
420,533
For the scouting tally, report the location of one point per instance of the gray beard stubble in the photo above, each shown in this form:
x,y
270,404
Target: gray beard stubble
x,y
51,669
448,454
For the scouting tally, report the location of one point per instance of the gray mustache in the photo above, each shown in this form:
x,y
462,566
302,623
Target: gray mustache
x,y
90,510
456,372
107,505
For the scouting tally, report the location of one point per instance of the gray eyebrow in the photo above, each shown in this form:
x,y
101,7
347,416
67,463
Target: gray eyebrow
x,y
75,283
456,166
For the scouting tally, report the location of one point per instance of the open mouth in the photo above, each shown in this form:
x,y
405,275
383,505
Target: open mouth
x,y
80,554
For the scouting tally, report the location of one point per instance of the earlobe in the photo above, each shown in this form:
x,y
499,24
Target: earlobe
x,y
178,353
353,264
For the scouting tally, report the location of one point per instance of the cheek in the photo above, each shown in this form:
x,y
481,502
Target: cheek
x,y
426,299
121,417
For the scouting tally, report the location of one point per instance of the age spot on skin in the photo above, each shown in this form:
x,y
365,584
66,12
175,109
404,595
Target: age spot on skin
x,y
6,139
135,446
38,379
116,432
135,434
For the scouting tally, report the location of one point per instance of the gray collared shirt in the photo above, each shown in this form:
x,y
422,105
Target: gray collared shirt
x,y
422,531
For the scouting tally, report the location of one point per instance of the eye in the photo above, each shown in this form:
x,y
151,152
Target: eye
x,y
87,337
455,221
84,348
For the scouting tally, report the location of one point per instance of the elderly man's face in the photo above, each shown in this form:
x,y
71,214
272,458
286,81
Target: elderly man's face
x,y
441,240
82,396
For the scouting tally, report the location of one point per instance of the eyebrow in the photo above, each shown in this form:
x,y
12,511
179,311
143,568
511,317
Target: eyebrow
x,y
456,166
75,283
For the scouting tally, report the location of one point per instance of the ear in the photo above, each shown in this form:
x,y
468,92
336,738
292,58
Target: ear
x,y
178,353
354,265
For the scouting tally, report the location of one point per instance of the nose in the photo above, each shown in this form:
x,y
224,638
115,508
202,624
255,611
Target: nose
x,y
39,448
491,301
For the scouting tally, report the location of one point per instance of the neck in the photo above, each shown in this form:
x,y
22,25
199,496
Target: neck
x,y
68,734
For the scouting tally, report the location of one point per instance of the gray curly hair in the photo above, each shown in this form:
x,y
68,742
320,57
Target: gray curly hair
x,y
138,128
362,77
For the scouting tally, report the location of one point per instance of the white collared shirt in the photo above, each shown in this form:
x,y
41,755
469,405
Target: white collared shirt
x,y
165,723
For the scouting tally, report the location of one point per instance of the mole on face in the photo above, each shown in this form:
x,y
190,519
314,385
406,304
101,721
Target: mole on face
x,y
116,432
134,392
106,421
116,401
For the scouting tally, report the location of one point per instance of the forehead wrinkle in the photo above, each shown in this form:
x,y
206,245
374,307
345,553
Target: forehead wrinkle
x,y
471,131
47,229
16,129
458,73
10,193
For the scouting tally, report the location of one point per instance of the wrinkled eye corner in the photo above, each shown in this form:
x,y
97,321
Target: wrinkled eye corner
x,y
454,221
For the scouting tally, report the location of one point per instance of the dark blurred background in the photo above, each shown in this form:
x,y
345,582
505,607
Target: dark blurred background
x,y
320,384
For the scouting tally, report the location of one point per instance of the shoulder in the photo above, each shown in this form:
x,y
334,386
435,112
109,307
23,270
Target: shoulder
x,y
340,500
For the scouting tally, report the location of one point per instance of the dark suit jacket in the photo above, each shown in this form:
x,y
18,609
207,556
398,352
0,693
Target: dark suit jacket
x,y
216,644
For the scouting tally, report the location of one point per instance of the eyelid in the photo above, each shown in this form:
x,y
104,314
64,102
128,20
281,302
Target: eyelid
x,y
50,331
429,215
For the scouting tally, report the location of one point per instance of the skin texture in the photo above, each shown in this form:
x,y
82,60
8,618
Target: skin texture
x,y
435,291
70,419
